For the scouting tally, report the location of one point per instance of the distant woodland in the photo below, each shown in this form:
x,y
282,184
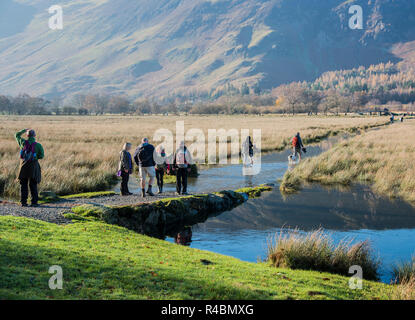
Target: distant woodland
x,y
360,89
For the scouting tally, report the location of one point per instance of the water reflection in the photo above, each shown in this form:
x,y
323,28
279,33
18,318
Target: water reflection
x,y
355,213
184,237
316,206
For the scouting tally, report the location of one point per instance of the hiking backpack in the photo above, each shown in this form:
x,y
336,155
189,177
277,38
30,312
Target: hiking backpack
x,y
295,141
28,153
181,160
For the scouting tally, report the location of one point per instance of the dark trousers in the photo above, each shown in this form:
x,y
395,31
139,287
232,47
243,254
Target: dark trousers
x,y
181,180
160,178
24,190
124,183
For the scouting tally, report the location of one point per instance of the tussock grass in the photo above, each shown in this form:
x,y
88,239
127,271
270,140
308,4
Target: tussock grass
x,y
81,153
404,272
384,158
316,251
403,291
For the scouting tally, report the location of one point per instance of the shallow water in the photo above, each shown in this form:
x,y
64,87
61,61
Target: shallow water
x,y
358,214
229,177
355,213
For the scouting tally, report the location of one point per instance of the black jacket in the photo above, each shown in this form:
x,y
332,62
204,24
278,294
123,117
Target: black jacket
x,y
144,156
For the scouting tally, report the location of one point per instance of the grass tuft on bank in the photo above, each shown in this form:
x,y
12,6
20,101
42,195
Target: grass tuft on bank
x,y
404,272
102,261
317,251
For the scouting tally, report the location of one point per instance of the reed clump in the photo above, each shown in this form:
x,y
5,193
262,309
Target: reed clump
x,y
317,251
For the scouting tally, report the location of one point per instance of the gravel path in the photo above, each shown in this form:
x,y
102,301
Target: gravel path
x,y
53,212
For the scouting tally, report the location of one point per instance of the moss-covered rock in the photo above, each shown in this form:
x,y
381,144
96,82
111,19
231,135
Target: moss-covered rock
x,y
48,197
168,216
255,192
95,212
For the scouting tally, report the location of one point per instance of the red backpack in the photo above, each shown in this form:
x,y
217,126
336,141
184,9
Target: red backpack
x,y
295,141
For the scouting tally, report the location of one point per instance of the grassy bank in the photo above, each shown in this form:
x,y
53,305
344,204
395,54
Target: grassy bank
x,y
81,153
101,261
381,157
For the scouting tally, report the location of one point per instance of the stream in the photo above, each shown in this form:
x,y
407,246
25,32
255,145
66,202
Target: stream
x,y
355,213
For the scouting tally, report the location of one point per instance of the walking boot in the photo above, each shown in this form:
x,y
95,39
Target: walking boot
x,y
150,192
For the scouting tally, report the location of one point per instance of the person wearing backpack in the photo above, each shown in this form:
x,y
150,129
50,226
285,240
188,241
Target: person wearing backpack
x,y
182,159
298,146
30,172
125,168
161,167
144,158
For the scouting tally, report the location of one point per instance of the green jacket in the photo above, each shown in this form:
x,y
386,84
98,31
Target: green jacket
x,y
30,169
40,153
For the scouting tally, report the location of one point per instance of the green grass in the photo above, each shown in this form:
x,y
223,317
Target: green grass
x,y
51,197
90,195
102,261
169,179
255,192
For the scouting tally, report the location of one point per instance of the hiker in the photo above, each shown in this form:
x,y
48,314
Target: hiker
x,y
298,147
248,151
30,172
144,159
160,168
182,159
125,168
392,118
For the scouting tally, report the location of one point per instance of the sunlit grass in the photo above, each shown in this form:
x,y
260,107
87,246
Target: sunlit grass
x,y
384,158
81,153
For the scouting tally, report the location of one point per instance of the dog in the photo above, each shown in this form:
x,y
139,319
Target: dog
x,y
292,159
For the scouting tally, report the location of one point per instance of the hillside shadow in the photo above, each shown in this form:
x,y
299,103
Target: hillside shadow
x,y
14,17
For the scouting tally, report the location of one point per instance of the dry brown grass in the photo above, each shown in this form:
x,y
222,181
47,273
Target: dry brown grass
x,y
383,157
403,291
81,153
317,251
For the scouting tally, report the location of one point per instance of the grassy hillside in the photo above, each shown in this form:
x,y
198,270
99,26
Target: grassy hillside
x,y
162,47
101,261
381,157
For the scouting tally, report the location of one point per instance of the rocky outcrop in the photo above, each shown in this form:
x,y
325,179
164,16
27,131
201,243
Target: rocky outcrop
x,y
168,216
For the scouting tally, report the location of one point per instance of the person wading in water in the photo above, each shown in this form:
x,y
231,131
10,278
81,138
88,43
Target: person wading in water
x,y
298,147
30,172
